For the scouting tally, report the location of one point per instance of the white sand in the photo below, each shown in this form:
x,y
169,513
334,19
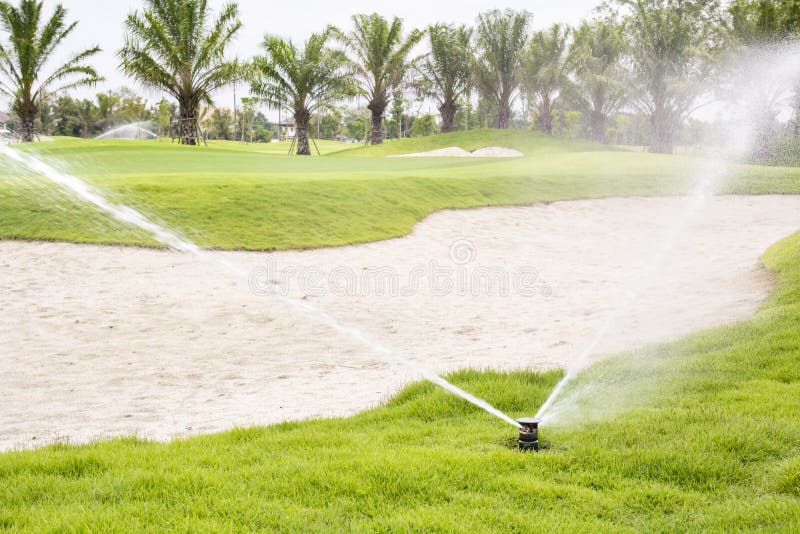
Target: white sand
x,y
497,152
449,152
457,152
104,341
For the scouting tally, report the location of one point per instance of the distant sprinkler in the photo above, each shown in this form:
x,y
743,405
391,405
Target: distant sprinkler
x,y
529,434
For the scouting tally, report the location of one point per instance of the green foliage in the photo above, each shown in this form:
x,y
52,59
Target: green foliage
x,y
599,83
304,81
164,112
120,107
671,44
755,22
785,153
446,73
32,43
423,126
380,54
220,124
327,126
356,129
545,67
173,46
398,128
501,40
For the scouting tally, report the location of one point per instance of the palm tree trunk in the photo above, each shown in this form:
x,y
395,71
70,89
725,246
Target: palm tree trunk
x,y
448,110
27,120
188,125
26,130
662,141
503,118
301,119
597,123
545,119
377,108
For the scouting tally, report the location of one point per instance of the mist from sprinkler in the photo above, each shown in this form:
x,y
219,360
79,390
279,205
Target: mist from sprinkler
x,y
761,75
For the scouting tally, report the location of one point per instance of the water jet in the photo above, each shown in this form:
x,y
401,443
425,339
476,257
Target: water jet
x,y
177,242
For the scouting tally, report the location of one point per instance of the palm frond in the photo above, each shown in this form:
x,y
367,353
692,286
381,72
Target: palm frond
x,y
176,46
32,42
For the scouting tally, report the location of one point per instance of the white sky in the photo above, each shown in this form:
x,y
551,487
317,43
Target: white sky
x,y
101,22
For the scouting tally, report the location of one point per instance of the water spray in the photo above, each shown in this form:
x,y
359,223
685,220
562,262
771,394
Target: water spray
x,y
134,130
714,169
169,238
760,77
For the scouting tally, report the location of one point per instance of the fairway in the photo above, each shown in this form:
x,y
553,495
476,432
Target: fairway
x,y
233,196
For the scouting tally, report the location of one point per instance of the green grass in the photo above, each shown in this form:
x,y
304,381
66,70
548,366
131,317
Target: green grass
x,y
700,435
713,446
246,197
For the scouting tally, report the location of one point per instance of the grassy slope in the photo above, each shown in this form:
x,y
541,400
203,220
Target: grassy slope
x,y
528,143
716,447
239,196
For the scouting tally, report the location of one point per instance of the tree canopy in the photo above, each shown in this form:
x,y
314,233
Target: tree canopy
x,y
176,47
32,42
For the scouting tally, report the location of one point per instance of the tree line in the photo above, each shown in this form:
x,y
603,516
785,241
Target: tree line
x,y
652,59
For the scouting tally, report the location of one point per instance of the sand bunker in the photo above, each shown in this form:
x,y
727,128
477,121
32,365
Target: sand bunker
x,y
105,341
457,152
497,152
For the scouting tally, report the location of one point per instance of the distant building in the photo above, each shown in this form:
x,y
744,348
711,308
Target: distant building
x,y
5,120
287,129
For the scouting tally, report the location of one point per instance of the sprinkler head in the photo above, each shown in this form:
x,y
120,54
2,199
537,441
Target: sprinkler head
x,y
529,434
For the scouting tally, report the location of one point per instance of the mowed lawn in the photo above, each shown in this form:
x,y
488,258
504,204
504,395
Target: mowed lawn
x,y
256,197
711,442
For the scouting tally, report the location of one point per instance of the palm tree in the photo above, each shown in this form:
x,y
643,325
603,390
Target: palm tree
x,y
546,72
672,44
108,109
173,46
221,121
764,21
502,36
381,55
446,72
306,80
594,61
32,42
86,117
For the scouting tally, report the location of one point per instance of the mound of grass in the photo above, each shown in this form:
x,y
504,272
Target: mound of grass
x,y
714,446
237,196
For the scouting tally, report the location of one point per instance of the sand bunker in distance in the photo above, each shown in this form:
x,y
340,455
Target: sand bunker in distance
x,y
457,152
